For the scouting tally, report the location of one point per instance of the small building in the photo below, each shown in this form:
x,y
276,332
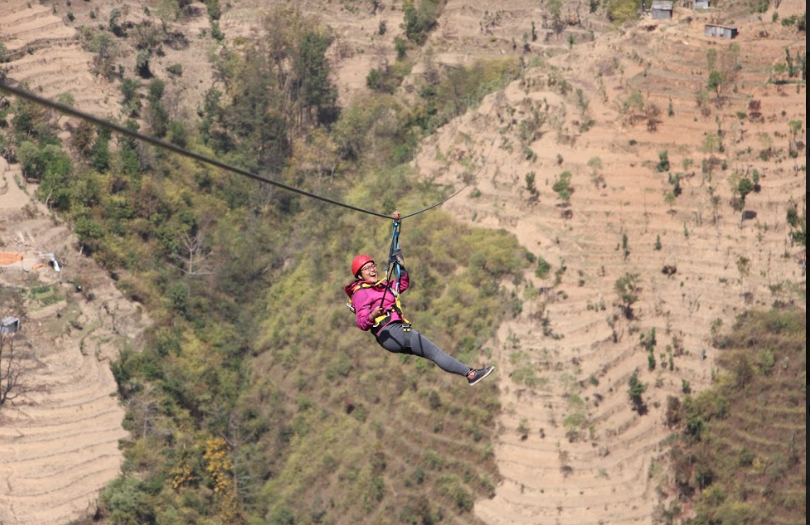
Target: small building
x,y
694,4
661,10
9,325
719,31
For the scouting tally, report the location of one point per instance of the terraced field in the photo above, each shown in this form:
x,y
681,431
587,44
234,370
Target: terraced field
x,y
47,57
59,442
572,450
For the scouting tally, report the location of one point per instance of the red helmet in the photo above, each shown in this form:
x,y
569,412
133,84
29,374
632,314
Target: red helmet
x,y
359,262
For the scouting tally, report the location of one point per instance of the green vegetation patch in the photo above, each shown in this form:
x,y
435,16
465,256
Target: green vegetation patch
x,y
254,397
45,295
743,443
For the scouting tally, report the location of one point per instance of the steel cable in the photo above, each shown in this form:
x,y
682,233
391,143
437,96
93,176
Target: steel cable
x,y
196,156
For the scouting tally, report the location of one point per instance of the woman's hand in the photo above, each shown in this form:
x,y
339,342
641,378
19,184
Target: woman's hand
x,y
376,313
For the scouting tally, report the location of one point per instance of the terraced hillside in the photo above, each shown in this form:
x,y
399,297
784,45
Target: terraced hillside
x,y
46,55
572,450
59,441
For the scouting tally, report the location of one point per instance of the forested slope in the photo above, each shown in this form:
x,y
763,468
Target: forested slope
x,y
254,398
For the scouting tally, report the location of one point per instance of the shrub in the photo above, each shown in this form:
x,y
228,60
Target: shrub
x,y
142,63
562,186
401,46
635,391
621,11
543,268
627,289
663,162
419,22
126,498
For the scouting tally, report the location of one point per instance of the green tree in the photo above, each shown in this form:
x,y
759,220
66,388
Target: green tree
x,y
636,391
401,45
663,162
213,8
126,498
115,22
543,268
716,82
711,59
129,88
100,152
744,187
627,288
554,8
66,99
531,187
106,52
795,127
312,70
625,246
419,22
562,187
255,119
54,188
156,114
595,163
29,121
31,160
142,63
82,138
670,199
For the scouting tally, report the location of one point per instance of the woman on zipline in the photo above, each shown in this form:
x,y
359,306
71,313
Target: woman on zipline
x,y
376,306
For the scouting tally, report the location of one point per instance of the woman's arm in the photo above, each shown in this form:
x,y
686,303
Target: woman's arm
x,y
362,301
404,281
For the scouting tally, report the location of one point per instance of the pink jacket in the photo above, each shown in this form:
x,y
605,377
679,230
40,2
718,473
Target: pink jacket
x,y
364,300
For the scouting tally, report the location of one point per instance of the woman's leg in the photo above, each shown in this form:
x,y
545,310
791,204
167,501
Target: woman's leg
x,y
392,338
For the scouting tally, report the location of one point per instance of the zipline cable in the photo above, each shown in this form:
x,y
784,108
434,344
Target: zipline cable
x,y
196,156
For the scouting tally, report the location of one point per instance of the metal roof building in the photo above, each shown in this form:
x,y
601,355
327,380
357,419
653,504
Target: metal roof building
x,y
661,10
9,325
720,31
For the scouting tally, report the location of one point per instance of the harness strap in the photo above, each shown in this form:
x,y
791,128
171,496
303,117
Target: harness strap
x,y
406,328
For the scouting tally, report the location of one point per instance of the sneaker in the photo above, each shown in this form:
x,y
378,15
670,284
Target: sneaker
x,y
477,375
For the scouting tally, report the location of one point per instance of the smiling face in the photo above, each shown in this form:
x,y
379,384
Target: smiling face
x,y
368,272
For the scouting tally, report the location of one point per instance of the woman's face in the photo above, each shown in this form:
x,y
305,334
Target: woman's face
x,y
369,272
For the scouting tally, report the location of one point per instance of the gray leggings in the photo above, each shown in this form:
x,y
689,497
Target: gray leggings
x,y
392,338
